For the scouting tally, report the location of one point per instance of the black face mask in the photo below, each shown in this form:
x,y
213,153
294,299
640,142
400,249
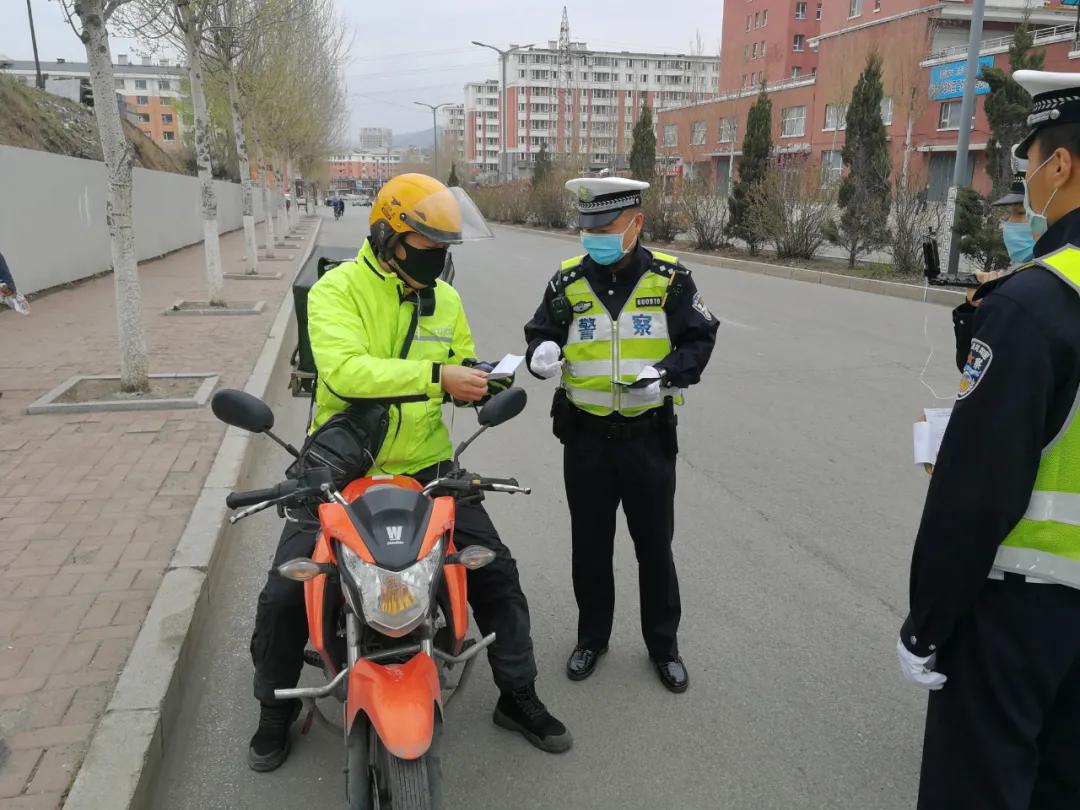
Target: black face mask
x,y
423,266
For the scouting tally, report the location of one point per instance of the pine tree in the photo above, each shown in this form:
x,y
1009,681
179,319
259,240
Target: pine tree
x,y
753,168
452,180
865,195
542,167
643,150
1008,106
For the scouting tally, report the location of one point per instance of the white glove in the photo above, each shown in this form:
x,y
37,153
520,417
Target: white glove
x,y
545,360
652,388
919,671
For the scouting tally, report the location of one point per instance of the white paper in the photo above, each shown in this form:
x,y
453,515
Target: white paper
x,y
928,435
507,366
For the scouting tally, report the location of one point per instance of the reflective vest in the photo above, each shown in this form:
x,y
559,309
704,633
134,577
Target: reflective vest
x,y
600,349
1046,541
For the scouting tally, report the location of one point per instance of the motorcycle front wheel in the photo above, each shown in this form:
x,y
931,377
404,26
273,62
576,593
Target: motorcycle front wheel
x,y
390,783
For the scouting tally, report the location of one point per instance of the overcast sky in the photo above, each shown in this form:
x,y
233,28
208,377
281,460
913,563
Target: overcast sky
x,y
420,51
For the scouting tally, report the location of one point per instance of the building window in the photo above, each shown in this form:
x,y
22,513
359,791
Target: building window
x,y
832,166
671,135
793,122
854,8
800,11
164,84
877,6
796,71
697,133
764,18
168,136
757,20
142,101
818,13
886,111
144,117
747,22
119,84
798,43
166,118
727,129
753,51
745,52
835,117
949,117
140,84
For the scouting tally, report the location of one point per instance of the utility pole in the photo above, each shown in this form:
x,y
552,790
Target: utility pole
x,y
435,132
33,41
967,109
504,152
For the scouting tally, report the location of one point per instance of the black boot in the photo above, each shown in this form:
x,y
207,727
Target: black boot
x,y
521,710
270,745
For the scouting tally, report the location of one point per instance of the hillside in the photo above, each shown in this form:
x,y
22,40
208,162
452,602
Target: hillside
x,y
34,119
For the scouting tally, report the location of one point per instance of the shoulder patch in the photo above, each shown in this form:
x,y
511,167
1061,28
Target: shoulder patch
x,y
698,303
975,367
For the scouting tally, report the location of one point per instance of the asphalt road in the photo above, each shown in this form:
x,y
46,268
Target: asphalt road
x,y
797,505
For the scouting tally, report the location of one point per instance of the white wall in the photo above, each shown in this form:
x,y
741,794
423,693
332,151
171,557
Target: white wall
x,y
52,215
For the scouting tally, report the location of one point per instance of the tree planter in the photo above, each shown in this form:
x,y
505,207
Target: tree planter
x,y
204,308
86,393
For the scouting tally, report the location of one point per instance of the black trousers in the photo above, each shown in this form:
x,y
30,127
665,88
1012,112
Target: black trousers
x,y
499,606
1004,731
600,473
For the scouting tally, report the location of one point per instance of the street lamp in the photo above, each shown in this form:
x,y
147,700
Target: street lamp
x,y
33,41
504,156
435,131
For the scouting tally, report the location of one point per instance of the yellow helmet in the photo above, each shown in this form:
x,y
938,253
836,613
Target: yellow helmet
x,y
416,203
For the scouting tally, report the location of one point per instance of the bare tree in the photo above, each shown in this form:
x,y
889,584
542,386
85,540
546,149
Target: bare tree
x,y
92,18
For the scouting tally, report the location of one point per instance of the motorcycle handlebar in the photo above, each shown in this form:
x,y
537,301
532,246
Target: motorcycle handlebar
x,y
235,500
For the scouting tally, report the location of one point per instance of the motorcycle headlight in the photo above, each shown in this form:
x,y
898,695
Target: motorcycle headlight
x,y
394,602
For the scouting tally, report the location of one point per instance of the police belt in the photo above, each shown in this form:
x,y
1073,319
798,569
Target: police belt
x,y
648,424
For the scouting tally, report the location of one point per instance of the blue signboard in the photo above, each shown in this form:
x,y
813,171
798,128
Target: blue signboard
x,y
947,81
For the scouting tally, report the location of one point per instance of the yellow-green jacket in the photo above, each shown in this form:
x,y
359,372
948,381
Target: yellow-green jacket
x,y
358,318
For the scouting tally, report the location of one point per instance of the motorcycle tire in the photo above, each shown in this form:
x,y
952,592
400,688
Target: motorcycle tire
x,y
416,784
358,782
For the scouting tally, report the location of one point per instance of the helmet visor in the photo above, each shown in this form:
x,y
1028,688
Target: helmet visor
x,y
449,216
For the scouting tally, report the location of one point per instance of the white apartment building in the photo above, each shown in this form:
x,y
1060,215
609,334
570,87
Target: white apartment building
x,y
578,103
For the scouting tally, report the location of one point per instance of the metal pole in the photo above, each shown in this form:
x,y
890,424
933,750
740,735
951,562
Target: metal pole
x,y
504,155
967,108
33,41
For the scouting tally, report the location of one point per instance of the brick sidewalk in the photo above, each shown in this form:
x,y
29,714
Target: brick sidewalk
x,y
92,505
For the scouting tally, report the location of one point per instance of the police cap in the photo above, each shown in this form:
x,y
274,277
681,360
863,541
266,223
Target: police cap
x,y
1055,101
600,200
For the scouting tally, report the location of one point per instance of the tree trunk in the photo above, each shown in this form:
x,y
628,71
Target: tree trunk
x,y
251,260
211,246
134,366
279,179
907,152
268,211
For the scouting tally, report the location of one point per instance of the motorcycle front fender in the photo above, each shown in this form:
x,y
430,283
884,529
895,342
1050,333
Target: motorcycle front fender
x,y
399,700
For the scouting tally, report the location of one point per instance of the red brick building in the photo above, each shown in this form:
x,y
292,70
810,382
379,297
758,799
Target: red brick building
x,y
923,45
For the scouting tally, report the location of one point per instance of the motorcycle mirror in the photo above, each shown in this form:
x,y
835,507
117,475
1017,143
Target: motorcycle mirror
x,y
242,410
472,557
302,569
503,407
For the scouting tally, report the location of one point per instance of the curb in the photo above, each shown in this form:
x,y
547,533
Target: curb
x,y
892,289
128,744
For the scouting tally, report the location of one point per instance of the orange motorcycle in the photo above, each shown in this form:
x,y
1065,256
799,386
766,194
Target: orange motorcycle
x,y
386,604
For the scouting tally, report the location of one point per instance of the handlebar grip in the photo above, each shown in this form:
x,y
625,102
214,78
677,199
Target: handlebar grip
x,y
235,500
509,482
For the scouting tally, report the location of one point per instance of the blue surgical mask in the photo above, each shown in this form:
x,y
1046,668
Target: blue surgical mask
x,y
605,248
1018,241
1037,221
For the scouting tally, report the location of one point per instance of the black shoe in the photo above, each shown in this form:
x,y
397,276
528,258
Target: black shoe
x,y
673,674
521,710
582,662
270,745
